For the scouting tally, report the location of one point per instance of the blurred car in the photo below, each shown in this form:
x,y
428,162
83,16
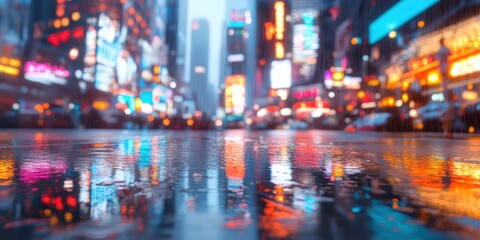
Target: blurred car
x,y
372,122
429,117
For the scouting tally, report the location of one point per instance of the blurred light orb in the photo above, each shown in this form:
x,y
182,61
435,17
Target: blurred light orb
x,y
128,111
173,85
331,94
392,34
73,54
365,58
71,106
15,106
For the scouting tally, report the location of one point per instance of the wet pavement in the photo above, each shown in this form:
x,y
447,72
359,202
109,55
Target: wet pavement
x,y
237,185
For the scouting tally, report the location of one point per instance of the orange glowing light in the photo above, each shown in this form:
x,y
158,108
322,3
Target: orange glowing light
x,y
190,122
151,118
405,97
57,23
354,41
46,106
38,108
100,105
136,31
76,16
130,22
269,30
338,76
148,31
349,108
65,21
60,12
421,24
166,122
131,10
465,66
261,62
15,63
373,83
139,18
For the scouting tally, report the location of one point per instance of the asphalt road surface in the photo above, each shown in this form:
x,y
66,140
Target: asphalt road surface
x,y
95,184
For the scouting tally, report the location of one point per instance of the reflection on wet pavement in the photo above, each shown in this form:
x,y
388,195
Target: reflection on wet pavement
x,y
237,184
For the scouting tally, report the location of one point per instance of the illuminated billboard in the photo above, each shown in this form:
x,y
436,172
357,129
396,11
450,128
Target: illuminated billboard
x,y
281,74
235,94
396,16
46,73
306,39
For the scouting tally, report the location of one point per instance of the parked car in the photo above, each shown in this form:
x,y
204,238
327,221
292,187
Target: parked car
x,y
429,117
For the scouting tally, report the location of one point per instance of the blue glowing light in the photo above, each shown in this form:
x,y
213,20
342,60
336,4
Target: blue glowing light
x,y
396,16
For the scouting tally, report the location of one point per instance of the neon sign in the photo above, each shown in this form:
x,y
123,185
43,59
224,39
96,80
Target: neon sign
x,y
46,73
279,18
235,94
61,37
465,66
310,93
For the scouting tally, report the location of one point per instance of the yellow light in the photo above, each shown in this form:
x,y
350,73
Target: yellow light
x,y
279,50
65,21
166,122
433,78
421,24
68,216
465,66
405,85
471,129
392,34
57,23
354,41
470,86
469,95
190,122
138,103
54,220
76,16
156,70
15,63
279,19
38,108
361,94
405,97
338,76
47,212
391,101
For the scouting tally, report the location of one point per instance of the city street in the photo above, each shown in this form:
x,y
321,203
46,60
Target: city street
x,y
237,184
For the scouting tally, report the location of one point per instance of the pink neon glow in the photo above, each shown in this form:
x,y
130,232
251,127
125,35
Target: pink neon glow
x,y
33,67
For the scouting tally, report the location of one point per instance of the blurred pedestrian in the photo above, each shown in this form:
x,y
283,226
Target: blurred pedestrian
x,y
448,114
442,57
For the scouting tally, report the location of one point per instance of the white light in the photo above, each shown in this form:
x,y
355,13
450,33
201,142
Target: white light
x,y
399,103
15,106
262,112
147,108
73,54
317,113
331,94
236,58
369,105
365,58
285,111
68,185
412,104
78,73
413,113
281,74
378,95
256,107
248,121
438,97
128,111
200,69
231,32
173,85
348,120
71,106
82,85
218,123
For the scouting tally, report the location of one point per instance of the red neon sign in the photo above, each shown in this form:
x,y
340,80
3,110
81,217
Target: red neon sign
x,y
306,93
61,37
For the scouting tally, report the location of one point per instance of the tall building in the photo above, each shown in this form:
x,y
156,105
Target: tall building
x,y
199,66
